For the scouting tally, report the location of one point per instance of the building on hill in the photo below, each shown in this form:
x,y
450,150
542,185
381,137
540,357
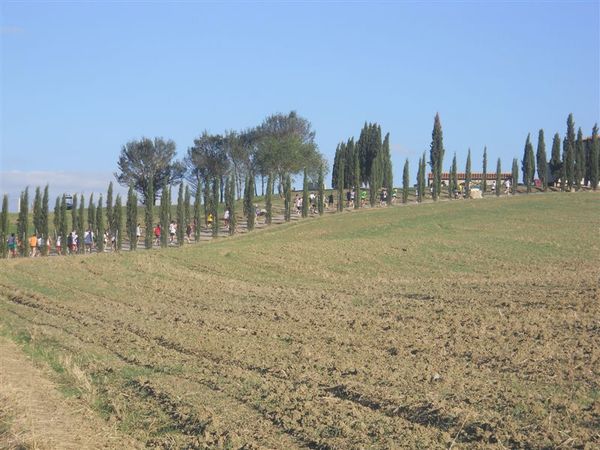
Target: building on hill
x,y
476,177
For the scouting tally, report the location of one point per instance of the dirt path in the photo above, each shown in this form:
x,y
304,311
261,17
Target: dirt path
x,y
33,414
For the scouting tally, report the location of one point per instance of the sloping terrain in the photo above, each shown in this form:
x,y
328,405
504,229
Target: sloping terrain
x,y
460,324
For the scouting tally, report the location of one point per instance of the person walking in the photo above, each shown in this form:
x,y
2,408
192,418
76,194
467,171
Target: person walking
x,y
33,241
12,245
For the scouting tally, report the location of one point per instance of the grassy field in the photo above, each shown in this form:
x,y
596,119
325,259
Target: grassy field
x,y
460,324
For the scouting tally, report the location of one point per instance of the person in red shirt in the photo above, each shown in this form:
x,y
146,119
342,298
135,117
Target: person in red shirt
x,y
157,233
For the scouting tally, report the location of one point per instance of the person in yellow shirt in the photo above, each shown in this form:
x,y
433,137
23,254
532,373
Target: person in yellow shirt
x,y
33,244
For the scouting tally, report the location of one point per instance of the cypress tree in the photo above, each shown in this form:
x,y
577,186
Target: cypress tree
x,y
165,213
118,218
569,153
23,223
110,215
484,181
100,226
468,175
579,159
555,161
91,214
232,212
187,207
4,227
44,222
376,179
498,178
340,187
387,172
515,176
74,211
542,161
595,158
405,182
305,194
197,218
56,218
64,226
37,211
81,225
321,195
336,164
180,215
424,176
149,217
450,184
251,213
528,164
420,182
268,199
131,218
454,174
287,189
357,180
436,158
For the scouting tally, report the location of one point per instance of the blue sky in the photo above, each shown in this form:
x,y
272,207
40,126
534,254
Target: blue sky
x,y
78,80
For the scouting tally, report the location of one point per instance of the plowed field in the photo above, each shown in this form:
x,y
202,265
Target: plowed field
x,y
465,324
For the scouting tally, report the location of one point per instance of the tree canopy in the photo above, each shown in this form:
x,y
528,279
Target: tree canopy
x,y
148,161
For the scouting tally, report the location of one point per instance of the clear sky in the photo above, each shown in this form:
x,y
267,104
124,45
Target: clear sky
x,y
78,80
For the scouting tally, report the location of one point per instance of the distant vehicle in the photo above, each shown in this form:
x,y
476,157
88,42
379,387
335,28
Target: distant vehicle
x,y
69,201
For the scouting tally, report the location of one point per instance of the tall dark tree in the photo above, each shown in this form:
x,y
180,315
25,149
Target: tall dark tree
x,y
181,215
287,190
376,180
80,224
484,181
37,211
269,199
340,187
56,218
405,182
305,195
44,228
91,212
555,161
468,175
64,226
387,170
579,159
187,207
436,156
74,213
100,226
23,222
595,158
498,178
131,218
4,227
454,174
118,218
569,154
528,166
197,218
321,195
357,181
421,180
165,214
110,215
149,219
251,212
542,161
515,176
148,161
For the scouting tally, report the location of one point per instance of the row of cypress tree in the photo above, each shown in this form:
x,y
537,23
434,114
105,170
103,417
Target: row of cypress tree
x,y
364,163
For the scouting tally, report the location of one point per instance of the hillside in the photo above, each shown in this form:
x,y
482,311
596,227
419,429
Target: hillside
x,y
465,323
